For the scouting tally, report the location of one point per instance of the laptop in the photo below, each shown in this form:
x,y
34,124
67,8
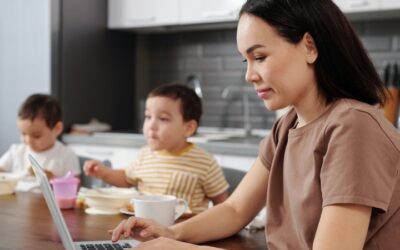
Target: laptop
x,y
59,219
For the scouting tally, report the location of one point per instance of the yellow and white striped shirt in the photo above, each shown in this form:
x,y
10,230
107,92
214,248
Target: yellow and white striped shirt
x,y
192,174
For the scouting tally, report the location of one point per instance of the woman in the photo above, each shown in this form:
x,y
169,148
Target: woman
x,y
328,172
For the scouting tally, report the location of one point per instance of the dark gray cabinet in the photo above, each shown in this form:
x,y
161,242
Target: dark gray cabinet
x,y
92,66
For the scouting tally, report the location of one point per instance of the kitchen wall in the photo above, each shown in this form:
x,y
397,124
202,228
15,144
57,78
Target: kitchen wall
x,y
382,40
24,60
212,55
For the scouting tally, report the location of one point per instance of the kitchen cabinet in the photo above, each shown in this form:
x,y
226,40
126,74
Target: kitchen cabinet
x,y
242,163
390,4
352,6
138,13
208,11
120,157
134,14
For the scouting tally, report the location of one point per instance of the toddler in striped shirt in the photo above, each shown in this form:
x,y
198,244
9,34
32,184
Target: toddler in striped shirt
x,y
169,164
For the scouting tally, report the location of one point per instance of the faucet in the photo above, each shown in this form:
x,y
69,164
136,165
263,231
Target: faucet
x,y
246,105
195,81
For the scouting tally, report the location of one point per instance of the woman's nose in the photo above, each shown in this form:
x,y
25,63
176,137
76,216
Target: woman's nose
x,y
251,75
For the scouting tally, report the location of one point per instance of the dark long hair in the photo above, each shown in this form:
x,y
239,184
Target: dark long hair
x,y
343,68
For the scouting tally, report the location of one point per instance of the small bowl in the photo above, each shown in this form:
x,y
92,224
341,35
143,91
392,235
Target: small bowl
x,y
8,182
107,199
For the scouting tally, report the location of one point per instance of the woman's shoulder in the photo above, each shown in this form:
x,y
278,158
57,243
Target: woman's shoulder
x,y
352,116
355,112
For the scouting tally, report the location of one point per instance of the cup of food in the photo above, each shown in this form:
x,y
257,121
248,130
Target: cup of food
x,y
8,183
65,190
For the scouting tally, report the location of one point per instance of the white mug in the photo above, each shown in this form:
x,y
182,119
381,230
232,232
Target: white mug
x,y
161,208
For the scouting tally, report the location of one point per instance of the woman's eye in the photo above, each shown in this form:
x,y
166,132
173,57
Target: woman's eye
x,y
244,61
260,58
147,117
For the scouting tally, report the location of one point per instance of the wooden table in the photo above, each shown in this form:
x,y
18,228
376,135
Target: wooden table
x,y
25,223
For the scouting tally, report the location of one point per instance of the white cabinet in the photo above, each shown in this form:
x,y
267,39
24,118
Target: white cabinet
x,y
208,11
243,163
139,13
352,6
390,4
153,13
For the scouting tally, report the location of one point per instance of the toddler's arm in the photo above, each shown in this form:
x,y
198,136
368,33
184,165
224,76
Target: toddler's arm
x,y
100,171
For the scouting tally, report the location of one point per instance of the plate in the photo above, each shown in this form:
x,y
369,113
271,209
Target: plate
x,y
126,211
92,210
120,192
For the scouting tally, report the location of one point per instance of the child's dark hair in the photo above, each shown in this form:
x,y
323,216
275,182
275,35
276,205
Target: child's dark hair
x,y
342,69
190,101
43,106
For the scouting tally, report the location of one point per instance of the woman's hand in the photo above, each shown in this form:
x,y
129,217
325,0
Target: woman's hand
x,y
140,229
170,244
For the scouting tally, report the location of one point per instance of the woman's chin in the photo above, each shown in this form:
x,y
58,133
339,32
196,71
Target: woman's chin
x,y
271,106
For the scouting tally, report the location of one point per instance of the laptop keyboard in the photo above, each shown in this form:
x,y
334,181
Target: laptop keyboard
x,y
105,246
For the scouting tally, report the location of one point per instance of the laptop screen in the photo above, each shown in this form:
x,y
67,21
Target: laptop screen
x,y
51,203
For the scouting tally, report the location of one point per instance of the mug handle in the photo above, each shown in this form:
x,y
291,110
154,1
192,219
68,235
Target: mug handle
x,y
181,209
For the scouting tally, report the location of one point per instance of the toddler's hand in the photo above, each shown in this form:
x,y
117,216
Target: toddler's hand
x,y
48,173
94,168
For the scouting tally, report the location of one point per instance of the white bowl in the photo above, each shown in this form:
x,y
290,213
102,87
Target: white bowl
x,y
8,182
109,199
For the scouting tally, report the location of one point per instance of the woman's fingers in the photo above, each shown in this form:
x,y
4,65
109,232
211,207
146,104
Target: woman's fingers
x,y
138,228
118,231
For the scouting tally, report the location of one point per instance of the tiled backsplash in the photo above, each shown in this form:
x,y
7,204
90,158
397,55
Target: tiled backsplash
x,y
212,55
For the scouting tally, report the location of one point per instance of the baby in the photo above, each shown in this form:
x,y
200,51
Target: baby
x,y
39,122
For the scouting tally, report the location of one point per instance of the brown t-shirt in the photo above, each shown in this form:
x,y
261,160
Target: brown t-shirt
x,y
349,155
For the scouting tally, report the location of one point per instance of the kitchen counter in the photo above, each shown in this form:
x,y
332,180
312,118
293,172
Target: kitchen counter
x,y
240,146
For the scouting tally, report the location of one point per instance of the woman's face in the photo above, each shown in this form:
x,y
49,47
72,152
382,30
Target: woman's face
x,y
282,73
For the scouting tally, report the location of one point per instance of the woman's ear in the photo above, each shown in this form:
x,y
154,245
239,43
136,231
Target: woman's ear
x,y
190,128
58,128
310,48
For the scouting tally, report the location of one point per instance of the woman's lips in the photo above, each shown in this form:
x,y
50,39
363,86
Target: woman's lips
x,y
264,93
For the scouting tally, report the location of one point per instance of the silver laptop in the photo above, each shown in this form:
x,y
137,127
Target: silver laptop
x,y
60,223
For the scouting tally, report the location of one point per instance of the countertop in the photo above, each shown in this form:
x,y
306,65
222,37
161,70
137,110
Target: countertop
x,y
240,146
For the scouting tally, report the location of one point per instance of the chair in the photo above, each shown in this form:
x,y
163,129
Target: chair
x,y
233,176
89,181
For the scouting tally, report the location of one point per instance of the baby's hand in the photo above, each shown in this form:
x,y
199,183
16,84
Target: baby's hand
x,y
140,229
94,168
48,173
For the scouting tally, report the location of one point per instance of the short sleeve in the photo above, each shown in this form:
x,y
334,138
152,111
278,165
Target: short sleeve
x,y
130,171
215,182
6,161
73,163
360,164
267,146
